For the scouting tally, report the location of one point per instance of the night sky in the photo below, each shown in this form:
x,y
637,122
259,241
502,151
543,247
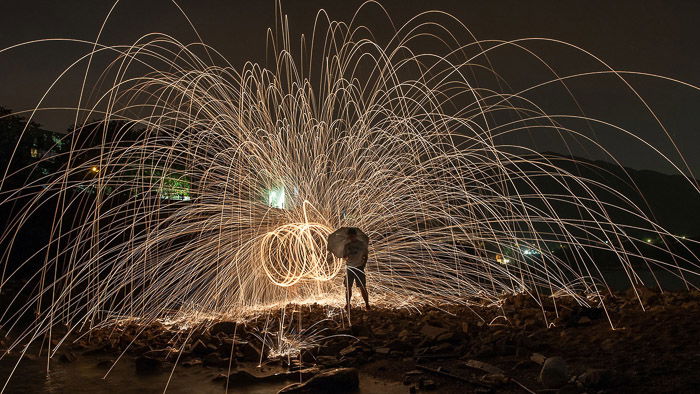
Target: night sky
x,y
657,37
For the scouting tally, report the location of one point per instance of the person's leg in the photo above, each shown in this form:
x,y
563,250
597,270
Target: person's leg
x,y
362,284
349,279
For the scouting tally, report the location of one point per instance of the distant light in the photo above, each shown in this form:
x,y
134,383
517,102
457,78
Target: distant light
x,y
529,252
94,169
648,240
683,237
502,259
276,197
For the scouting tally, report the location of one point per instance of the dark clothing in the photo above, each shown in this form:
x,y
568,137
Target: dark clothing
x,y
352,245
353,274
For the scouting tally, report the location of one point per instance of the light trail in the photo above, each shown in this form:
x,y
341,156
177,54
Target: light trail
x,y
208,191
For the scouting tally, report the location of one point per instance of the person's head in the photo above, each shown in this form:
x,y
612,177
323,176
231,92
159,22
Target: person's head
x,y
352,232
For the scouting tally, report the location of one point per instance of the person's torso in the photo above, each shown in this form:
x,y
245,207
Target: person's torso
x,y
355,251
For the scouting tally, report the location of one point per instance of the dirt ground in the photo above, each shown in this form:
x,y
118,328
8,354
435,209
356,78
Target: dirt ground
x,y
656,350
645,344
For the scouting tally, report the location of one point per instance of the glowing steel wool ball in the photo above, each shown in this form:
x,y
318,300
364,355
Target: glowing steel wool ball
x,y
297,251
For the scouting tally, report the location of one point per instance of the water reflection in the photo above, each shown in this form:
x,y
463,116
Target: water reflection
x,y
86,376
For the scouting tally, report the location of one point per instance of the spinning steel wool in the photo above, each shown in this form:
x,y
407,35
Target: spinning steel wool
x,y
207,190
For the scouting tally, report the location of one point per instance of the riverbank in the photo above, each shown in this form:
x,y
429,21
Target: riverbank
x,y
519,346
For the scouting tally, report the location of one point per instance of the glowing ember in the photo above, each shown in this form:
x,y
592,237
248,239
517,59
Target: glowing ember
x,y
211,189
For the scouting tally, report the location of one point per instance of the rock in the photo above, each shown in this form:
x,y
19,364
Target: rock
x,y
147,365
220,378
382,350
495,379
327,361
595,377
68,357
295,365
554,373
330,381
412,376
201,348
192,362
608,344
361,331
427,384
304,374
441,349
465,327
432,332
228,345
399,345
250,352
482,366
350,351
646,295
333,346
225,327
538,358
217,361
584,320
690,305
307,356
445,336
243,378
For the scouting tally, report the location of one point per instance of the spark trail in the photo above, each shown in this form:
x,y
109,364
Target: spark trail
x,y
207,191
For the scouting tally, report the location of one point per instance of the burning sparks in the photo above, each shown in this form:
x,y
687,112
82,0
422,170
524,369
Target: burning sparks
x,y
213,188
297,251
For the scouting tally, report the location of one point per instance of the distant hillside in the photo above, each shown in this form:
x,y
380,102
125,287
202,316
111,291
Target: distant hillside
x,y
670,199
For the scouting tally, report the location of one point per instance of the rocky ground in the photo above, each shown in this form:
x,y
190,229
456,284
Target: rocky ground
x,y
518,347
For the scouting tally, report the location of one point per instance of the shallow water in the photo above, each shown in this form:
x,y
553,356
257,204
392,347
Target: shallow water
x,y
85,376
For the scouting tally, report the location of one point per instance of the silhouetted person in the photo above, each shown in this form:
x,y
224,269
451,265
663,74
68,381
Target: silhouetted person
x,y
355,254
351,244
